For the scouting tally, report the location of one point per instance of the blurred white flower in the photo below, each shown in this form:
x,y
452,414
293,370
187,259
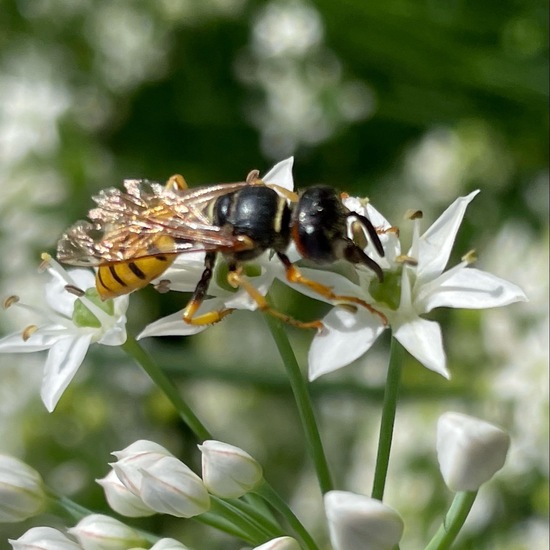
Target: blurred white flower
x,y
100,532
470,451
227,471
168,544
280,543
171,487
358,522
22,493
43,538
121,499
71,318
187,270
161,481
414,285
134,460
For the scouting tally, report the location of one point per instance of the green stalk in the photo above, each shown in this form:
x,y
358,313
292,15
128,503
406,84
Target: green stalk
x,y
157,375
388,419
453,522
303,401
254,532
272,497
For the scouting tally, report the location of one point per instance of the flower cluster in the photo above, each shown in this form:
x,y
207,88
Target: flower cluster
x,y
147,479
414,284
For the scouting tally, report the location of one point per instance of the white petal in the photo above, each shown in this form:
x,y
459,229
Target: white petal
x,y
281,174
116,335
472,289
358,522
280,543
346,337
435,245
121,499
43,538
40,340
470,451
58,298
174,325
64,358
423,340
184,273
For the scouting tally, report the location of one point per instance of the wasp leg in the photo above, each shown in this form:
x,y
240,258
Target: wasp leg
x,y
196,300
294,275
176,183
236,279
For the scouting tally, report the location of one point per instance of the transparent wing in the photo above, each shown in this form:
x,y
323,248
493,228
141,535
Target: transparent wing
x,y
148,219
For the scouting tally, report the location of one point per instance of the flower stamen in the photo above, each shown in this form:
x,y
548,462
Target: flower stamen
x,y
470,257
72,289
9,301
28,332
407,260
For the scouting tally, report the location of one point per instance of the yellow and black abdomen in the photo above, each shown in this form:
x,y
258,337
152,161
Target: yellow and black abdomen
x,y
124,277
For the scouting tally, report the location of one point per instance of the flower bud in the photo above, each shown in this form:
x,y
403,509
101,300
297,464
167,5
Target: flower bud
x,y
280,543
43,538
227,471
470,451
99,532
135,459
121,499
168,544
141,447
170,487
21,490
357,521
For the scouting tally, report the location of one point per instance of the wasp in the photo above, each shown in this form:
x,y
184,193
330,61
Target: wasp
x,y
132,237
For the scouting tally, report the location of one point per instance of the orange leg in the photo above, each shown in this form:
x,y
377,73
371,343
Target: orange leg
x,y
197,299
236,279
293,275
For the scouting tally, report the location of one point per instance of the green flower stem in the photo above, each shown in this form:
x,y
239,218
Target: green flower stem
x,y
453,522
73,509
224,525
157,375
251,531
253,511
303,401
388,419
272,497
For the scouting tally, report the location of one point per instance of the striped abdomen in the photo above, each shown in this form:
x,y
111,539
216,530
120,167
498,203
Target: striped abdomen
x,y
121,278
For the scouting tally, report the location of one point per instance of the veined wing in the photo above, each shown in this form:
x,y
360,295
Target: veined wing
x,y
149,219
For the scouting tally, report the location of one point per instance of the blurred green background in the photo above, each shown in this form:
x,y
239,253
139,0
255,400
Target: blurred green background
x,y
410,103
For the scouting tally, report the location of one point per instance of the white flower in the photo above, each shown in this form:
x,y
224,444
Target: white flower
x,y
44,538
227,471
358,522
168,544
171,487
121,499
99,532
161,481
280,543
134,460
470,451
22,493
187,269
413,285
70,320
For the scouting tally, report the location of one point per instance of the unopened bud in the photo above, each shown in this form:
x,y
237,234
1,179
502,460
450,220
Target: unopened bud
x,y
227,471
470,451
